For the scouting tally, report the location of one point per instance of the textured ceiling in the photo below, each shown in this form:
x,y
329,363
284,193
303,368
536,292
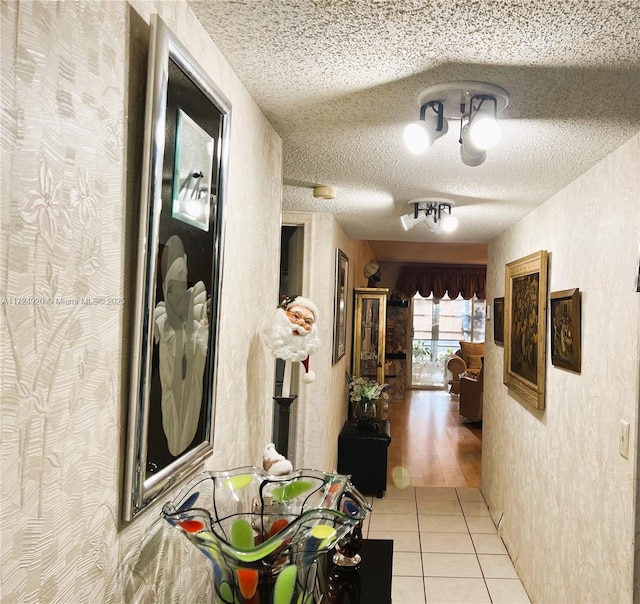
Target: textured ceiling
x,y
339,80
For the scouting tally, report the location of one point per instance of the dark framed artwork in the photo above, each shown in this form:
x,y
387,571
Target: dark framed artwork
x,y
340,306
498,320
525,308
565,328
178,273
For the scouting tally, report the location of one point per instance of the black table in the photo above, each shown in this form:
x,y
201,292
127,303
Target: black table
x,y
363,455
369,583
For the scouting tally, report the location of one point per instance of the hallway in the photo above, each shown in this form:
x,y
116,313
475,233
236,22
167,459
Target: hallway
x,y
431,445
446,547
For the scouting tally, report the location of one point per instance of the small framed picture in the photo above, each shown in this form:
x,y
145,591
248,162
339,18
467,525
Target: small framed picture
x,y
498,321
565,329
340,306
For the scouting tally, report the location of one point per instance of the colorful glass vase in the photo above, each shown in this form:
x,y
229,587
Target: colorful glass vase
x,y
264,534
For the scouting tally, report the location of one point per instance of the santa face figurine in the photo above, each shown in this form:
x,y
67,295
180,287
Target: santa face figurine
x,y
302,319
292,333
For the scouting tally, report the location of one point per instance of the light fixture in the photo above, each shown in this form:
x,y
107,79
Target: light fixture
x,y
420,135
475,104
471,154
439,210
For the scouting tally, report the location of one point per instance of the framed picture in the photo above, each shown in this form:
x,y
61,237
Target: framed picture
x,y
340,306
178,273
525,314
565,328
498,320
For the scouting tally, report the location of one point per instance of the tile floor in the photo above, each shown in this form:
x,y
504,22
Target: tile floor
x,y
446,547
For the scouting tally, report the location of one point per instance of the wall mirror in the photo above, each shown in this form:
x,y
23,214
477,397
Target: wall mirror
x,y
178,273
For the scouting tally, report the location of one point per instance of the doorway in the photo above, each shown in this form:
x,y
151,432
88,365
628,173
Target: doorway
x,y
291,269
437,327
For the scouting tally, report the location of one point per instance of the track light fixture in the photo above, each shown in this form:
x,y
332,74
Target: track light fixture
x,y
475,104
439,210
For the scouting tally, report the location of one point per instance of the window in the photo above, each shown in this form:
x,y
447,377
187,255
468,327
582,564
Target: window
x,y
438,327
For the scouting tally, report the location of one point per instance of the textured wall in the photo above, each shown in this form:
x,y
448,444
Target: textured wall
x,y
73,76
566,494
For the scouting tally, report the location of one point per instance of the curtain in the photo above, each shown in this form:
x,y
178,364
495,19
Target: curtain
x,y
440,279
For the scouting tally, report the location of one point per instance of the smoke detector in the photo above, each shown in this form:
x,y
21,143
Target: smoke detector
x,y
324,192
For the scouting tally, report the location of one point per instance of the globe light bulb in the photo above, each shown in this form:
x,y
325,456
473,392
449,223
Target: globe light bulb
x,y
484,130
416,137
469,153
448,223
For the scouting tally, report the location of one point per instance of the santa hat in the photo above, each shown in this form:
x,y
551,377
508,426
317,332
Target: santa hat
x,y
309,374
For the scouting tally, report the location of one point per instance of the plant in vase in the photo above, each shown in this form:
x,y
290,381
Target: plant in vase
x,y
365,393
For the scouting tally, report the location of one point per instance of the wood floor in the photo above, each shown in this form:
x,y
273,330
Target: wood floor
x,y
431,445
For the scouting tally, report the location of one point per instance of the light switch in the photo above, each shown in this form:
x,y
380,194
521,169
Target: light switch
x,y
623,446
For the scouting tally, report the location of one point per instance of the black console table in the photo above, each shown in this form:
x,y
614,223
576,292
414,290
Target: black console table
x,y
363,454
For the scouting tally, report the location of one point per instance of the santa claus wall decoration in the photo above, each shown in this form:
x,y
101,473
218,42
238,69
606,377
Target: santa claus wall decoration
x,y
292,335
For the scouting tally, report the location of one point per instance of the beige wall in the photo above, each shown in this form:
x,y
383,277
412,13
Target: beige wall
x,y
554,478
73,77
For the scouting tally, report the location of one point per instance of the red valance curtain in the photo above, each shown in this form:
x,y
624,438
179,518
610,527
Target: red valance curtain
x,y
440,279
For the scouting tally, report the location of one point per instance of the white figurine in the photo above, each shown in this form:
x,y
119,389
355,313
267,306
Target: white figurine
x,y
274,463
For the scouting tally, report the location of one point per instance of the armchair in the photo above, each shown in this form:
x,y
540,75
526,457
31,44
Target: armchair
x,y
470,403
456,366
467,360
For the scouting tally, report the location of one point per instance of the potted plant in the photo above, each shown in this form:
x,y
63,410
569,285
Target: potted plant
x,y
364,394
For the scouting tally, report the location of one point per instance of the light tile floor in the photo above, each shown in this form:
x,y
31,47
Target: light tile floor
x,y
445,547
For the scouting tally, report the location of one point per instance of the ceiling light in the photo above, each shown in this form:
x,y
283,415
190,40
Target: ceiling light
x,y
470,154
484,129
420,135
448,222
416,137
439,210
475,104
409,220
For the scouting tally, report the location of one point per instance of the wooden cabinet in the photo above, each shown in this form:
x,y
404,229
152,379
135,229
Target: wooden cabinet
x,y
369,331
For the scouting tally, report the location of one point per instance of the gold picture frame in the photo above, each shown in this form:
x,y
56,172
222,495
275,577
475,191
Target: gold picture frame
x,y
525,328
564,316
